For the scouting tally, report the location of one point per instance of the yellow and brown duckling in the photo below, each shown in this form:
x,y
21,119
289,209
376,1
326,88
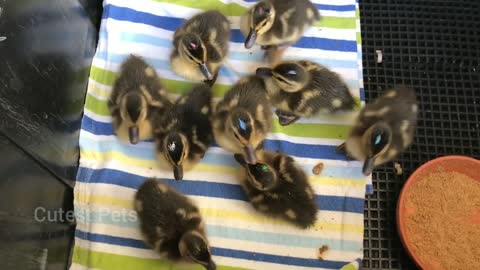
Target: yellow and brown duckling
x,y
278,187
383,129
184,134
273,23
136,98
172,224
243,118
201,46
303,89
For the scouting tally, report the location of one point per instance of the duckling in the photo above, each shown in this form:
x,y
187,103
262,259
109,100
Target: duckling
x,y
184,134
172,224
201,46
136,97
276,186
243,118
304,88
273,23
384,129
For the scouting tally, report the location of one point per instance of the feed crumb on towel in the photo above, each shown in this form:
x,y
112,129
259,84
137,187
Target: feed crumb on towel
x,y
442,228
322,252
318,168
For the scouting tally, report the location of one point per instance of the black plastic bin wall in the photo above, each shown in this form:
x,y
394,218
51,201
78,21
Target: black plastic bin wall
x,y
46,49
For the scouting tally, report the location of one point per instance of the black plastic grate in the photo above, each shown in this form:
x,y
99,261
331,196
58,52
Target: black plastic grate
x,y
433,46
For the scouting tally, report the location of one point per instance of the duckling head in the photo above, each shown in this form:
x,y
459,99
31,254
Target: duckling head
x,y
377,139
175,149
193,49
134,111
289,76
194,247
242,125
260,175
262,17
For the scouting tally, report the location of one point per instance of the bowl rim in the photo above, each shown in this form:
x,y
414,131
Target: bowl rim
x,y
401,201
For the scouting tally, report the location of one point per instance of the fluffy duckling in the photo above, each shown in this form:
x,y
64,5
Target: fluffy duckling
x,y
201,46
304,88
243,118
136,97
184,134
172,224
276,186
384,129
272,23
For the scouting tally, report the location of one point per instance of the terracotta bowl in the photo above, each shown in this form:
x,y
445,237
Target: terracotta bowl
x,y
460,164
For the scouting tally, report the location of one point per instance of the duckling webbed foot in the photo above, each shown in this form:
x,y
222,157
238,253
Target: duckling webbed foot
x,y
342,149
286,118
212,81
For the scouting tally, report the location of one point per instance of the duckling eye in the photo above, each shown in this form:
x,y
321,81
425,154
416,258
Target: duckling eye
x,y
171,147
378,139
193,46
261,10
264,168
242,124
292,72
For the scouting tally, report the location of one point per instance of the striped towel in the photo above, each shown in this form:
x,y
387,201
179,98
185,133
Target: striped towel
x,y
107,234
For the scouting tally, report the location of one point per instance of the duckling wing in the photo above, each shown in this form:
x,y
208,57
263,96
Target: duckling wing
x,y
333,92
164,212
293,17
194,111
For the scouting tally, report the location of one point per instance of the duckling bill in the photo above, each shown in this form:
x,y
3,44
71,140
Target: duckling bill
x,y
303,89
383,129
184,134
137,96
201,46
172,224
276,186
243,118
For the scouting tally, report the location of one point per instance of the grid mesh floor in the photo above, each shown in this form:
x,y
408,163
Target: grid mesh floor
x,y
433,46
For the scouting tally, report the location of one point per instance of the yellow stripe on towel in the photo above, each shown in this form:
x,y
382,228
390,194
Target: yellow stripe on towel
x,y
230,214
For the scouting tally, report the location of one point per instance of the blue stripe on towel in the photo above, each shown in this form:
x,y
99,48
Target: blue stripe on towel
x,y
295,149
209,189
290,240
145,151
134,243
171,24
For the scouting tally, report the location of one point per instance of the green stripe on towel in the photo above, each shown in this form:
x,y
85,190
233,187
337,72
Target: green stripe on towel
x,y
234,9
327,131
102,260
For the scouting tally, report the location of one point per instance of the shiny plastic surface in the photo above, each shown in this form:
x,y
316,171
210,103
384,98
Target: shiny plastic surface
x,y
46,49
46,52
